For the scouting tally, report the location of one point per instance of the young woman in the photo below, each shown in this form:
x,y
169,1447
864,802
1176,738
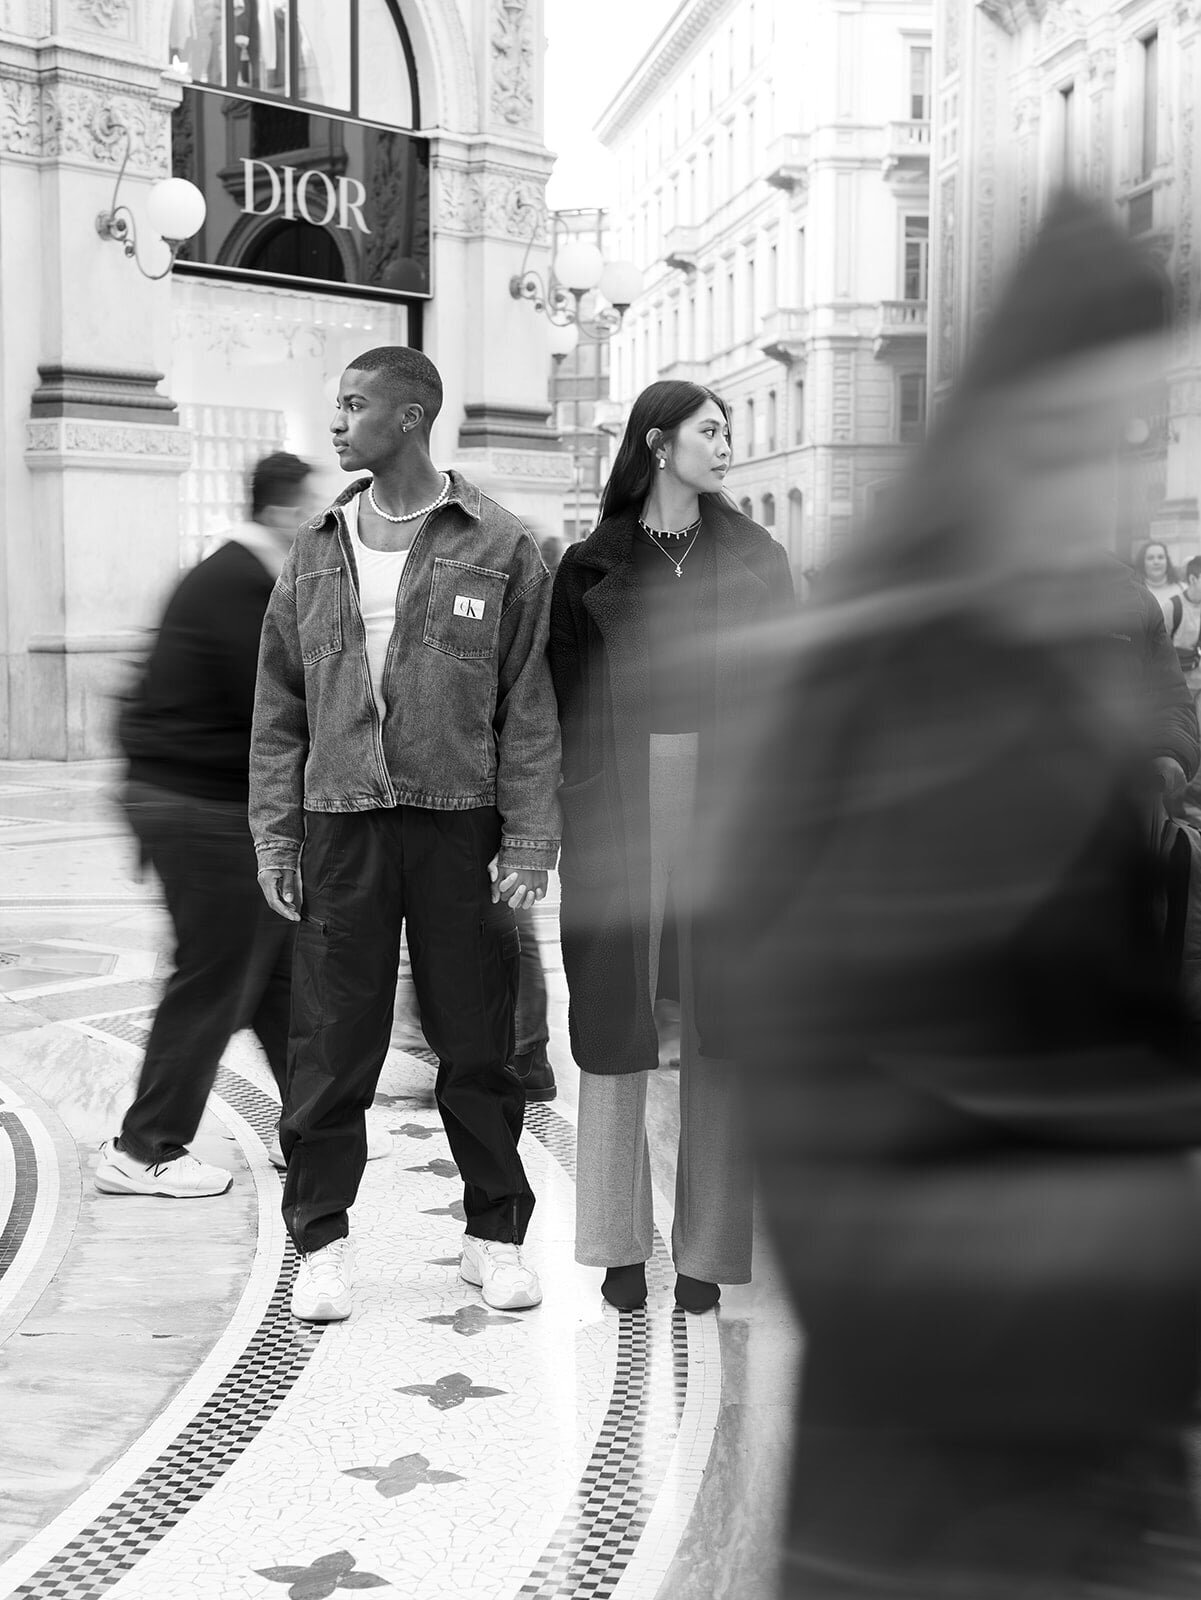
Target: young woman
x,y
1154,566
650,657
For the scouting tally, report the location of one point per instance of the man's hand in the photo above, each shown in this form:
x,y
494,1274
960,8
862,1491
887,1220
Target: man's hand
x,y
281,891
1172,783
519,889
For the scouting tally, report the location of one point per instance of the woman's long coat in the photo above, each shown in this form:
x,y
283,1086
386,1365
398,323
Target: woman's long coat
x,y
599,663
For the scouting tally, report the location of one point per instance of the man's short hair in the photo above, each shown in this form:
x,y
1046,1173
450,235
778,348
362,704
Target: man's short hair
x,y
408,374
276,481
1193,569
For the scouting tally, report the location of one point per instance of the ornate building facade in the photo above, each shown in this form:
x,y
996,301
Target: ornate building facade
x,y
374,173
1101,95
774,186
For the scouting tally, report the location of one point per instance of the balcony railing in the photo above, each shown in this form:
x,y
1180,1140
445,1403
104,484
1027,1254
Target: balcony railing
x,y
788,162
899,324
784,334
680,246
907,150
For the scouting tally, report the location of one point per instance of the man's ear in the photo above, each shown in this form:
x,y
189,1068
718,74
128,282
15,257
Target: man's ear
x,y
414,415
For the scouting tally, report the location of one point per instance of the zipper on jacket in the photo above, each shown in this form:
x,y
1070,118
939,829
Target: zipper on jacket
x,y
377,725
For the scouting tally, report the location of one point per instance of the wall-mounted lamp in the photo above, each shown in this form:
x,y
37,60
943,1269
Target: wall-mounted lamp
x,y
577,268
175,209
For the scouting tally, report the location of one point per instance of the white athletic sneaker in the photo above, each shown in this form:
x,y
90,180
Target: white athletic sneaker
x,y
379,1143
498,1271
181,1178
322,1291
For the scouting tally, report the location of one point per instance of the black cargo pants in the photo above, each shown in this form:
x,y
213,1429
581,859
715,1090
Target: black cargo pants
x,y
364,874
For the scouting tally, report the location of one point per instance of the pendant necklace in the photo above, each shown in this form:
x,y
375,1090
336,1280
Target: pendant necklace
x,y
409,516
655,534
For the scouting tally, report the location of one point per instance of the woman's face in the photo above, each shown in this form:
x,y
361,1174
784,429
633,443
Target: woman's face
x,y
1155,563
699,454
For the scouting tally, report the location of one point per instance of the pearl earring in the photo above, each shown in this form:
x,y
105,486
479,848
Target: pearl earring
x,y
662,461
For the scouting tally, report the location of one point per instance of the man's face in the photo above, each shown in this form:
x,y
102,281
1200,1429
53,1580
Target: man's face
x,y
368,423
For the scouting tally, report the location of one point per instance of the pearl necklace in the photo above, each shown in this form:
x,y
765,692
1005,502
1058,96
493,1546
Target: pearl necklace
x,y
409,516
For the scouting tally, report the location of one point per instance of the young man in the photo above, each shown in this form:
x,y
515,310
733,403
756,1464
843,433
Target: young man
x,y
1187,637
186,733
405,736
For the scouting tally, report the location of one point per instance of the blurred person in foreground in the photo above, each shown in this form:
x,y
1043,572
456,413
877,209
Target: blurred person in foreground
x,y
646,690
186,734
975,1105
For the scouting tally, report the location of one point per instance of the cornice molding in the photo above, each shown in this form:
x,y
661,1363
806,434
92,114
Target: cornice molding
x,y
659,62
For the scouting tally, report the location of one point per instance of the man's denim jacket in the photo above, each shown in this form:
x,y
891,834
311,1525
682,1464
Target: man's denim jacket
x,y
471,717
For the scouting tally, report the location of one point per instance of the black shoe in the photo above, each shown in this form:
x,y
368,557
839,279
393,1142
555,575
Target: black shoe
x,y
694,1294
625,1287
534,1073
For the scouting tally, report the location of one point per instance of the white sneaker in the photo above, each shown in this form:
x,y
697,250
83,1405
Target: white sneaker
x,y
379,1143
498,1271
322,1291
181,1178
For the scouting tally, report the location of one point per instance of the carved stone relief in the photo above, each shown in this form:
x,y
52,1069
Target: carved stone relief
x,y
950,36
986,180
1184,225
64,436
510,205
513,63
20,117
86,121
948,222
103,16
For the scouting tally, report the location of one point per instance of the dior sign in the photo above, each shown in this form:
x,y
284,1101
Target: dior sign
x,y
317,201
339,201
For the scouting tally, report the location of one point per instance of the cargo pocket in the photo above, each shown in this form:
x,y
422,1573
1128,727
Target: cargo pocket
x,y
319,613
463,615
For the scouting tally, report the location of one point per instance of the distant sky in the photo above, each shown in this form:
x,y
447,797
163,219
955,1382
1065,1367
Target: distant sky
x,y
590,52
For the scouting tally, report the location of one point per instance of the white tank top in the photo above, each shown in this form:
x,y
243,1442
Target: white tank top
x,y
379,580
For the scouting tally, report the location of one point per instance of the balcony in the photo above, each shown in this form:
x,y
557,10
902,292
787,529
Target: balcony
x,y
680,247
906,163
686,371
784,335
901,324
788,162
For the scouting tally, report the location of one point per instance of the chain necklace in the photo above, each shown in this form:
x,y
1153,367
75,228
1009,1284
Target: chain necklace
x,y
655,533
409,516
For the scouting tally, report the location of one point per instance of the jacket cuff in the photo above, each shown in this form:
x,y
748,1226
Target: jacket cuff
x,y
535,855
280,855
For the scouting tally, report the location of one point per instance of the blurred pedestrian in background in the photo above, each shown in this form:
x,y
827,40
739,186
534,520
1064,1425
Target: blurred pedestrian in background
x,y
648,685
185,731
1154,565
975,1108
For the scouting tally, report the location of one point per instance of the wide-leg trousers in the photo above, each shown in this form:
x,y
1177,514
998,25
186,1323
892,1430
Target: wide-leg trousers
x,y
363,875
711,1235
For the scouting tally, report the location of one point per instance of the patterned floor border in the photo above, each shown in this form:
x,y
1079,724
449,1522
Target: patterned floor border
x,y
599,1533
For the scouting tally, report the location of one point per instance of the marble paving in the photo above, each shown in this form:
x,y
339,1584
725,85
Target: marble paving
x,y
168,1430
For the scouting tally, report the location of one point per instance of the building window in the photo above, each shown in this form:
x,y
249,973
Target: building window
x,y
771,420
773,276
921,61
731,301
752,298
796,521
745,506
769,511
798,408
1067,132
749,448
912,406
916,258
800,266
1149,154
353,58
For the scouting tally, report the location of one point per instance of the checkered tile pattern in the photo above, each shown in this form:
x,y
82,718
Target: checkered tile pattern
x,y
26,1189
238,1408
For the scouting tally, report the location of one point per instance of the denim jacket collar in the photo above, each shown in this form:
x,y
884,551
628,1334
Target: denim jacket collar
x,y
461,493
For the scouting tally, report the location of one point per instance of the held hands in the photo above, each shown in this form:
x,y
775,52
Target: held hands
x,y
281,891
519,889
1172,782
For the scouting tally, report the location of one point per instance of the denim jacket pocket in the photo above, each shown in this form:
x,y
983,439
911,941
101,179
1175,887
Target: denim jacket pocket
x,y
319,613
463,615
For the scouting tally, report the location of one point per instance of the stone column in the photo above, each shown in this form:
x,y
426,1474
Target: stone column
x,y
92,449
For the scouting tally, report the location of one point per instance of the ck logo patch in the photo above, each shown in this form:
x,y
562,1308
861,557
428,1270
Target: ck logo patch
x,y
467,607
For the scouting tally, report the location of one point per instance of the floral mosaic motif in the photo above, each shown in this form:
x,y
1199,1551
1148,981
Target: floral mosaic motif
x,y
450,1391
322,1577
469,1320
403,1475
456,1211
439,1166
414,1130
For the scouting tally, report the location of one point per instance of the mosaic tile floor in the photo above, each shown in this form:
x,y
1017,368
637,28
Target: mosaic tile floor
x,y
168,1430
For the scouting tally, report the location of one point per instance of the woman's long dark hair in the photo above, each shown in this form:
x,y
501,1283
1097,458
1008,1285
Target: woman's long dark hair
x,y
664,406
